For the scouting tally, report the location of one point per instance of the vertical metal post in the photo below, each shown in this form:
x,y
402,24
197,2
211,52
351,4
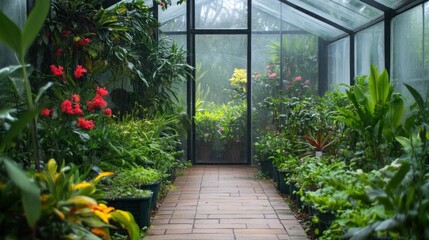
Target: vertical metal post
x,y
352,59
249,82
190,43
387,40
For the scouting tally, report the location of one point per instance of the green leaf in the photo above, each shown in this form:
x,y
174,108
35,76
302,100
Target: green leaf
x,y
387,224
30,191
34,23
5,114
42,90
126,220
6,71
17,127
10,34
398,177
417,97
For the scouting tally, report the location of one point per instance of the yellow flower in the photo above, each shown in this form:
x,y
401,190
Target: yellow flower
x,y
100,232
103,212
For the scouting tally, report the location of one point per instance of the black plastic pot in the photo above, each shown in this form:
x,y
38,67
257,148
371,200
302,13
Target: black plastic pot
x,y
139,207
154,187
281,183
266,167
274,173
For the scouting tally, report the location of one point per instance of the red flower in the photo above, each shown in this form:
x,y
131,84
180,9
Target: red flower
x,y
67,107
77,110
78,73
101,92
85,124
76,98
58,52
108,112
98,101
161,4
66,33
46,112
57,71
83,41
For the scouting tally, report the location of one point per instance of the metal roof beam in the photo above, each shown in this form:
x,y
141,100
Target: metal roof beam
x,y
318,17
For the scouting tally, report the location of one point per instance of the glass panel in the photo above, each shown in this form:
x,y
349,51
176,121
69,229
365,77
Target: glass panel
x,y
221,111
174,18
339,63
350,14
263,20
407,51
426,42
393,3
180,88
221,14
369,49
16,11
309,24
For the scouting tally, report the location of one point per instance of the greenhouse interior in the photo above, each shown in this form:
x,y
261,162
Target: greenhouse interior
x,y
214,119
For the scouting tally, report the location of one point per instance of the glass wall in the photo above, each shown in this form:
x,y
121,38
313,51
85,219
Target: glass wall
x,y
221,107
15,10
369,49
339,64
409,50
221,14
173,30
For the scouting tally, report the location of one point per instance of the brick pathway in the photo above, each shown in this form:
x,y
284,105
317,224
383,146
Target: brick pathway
x,y
222,203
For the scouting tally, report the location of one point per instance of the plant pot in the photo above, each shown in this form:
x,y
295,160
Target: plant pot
x,y
266,166
204,150
318,154
281,183
274,174
154,187
233,151
139,207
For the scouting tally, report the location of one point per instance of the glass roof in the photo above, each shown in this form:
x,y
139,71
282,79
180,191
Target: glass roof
x,y
350,14
340,15
394,3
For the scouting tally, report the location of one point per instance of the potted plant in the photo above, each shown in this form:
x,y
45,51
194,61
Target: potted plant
x,y
124,194
206,130
145,179
320,142
233,130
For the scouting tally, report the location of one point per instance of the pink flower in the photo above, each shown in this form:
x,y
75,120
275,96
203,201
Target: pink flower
x,y
97,101
307,81
76,98
78,73
108,112
67,107
257,75
57,71
298,78
46,112
77,110
272,75
83,41
85,124
101,91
